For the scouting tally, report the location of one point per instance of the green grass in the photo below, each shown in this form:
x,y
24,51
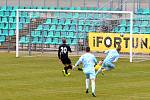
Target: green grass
x,y
40,78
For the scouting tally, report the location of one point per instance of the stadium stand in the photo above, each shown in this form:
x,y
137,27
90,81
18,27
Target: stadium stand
x,y
55,29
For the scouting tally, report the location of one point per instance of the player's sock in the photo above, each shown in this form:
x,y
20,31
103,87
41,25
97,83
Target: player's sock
x,y
66,70
99,71
93,86
87,81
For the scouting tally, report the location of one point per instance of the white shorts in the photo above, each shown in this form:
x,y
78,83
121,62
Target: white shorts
x,y
90,75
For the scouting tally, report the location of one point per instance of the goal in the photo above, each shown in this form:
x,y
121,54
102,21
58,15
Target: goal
x,y
39,31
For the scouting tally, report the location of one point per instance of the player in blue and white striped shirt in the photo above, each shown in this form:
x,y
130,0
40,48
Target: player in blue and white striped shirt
x,y
88,60
111,56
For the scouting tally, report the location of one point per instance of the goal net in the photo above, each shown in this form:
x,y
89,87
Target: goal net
x,y
40,31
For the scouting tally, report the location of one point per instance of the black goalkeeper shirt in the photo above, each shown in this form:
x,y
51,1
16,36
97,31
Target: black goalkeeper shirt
x,y
63,51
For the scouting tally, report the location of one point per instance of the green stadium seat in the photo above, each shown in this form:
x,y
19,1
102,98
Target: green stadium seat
x,y
9,8
87,22
84,8
53,27
51,8
24,14
78,8
6,26
20,26
80,35
68,41
128,30
82,16
21,7
45,33
11,20
50,34
67,22
144,23
123,23
75,15
66,28
1,25
74,42
48,21
24,40
58,8
41,40
45,7
6,13
115,30
2,39
63,34
72,28
57,34
86,28
81,22
137,23
15,8
59,28
90,16
62,15
39,7
69,15
5,32
35,15
4,20
122,29
35,40
48,41
148,30
143,30
13,26
74,22
136,30
40,27
28,7
146,11
66,8
139,11
92,8
54,21
27,20
46,27
38,34
1,13
70,35
4,8
55,41
61,21
80,29
96,16
11,32
72,8
0,32
22,20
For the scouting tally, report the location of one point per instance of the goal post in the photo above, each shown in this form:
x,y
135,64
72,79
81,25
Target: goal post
x,y
44,14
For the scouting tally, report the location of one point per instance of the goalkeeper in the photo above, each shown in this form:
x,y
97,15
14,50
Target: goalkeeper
x,y
111,56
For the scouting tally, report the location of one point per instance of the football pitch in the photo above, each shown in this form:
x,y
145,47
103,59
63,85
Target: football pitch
x,y
41,78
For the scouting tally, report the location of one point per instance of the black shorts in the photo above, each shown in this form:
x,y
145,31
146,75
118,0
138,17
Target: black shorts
x,y
66,61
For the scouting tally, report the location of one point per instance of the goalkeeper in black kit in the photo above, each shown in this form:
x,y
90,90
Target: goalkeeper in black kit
x,y
63,56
